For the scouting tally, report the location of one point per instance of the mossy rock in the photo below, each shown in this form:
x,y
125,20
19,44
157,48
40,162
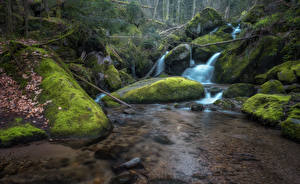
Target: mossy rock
x,y
241,62
287,73
126,78
159,90
268,109
72,113
202,54
272,87
254,14
233,104
178,59
204,22
20,134
240,90
112,77
291,127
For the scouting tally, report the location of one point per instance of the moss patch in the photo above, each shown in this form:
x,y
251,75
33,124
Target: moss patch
x,y
268,109
240,90
72,112
291,127
20,134
272,87
159,90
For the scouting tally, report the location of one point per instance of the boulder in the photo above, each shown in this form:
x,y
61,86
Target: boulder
x,y
240,90
241,62
232,104
178,59
291,126
204,22
158,90
272,87
268,109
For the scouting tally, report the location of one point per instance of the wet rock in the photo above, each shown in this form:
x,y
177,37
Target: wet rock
x,y
129,111
240,90
124,178
135,162
214,90
197,107
178,59
162,139
103,155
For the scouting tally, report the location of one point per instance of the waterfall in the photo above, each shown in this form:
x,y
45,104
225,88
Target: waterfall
x,y
99,97
203,72
192,62
161,65
236,30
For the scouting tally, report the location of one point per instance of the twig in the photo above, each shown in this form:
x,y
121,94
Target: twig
x,y
102,91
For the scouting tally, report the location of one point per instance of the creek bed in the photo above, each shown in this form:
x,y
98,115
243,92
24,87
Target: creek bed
x,y
175,146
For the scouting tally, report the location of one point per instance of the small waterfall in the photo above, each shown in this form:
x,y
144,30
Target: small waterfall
x,y
99,97
203,72
161,65
192,62
236,30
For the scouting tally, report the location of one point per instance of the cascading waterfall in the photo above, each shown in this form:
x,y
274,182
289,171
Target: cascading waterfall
x,y
236,30
99,97
161,65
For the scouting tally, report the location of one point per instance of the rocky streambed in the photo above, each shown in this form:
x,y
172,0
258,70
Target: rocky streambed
x,y
168,145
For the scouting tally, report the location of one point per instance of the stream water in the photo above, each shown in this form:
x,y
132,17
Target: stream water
x,y
175,147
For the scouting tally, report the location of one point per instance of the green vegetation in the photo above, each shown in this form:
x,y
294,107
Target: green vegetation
x,y
291,126
272,87
269,109
20,134
159,90
239,90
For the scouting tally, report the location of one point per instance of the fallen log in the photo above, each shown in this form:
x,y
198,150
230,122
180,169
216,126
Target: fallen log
x,y
126,3
102,91
224,42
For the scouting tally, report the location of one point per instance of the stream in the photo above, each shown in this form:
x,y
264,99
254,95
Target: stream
x,y
176,146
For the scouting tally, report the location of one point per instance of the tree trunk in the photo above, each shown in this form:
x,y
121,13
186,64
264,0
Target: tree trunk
x,y
26,12
9,16
155,8
58,8
194,8
178,11
46,6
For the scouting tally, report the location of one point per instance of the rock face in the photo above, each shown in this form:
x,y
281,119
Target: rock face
x,y
178,59
291,126
203,23
240,90
269,109
272,87
158,90
72,113
241,62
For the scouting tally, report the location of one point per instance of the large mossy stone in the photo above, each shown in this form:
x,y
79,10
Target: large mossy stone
x,y
291,127
20,134
158,90
72,113
178,59
268,109
240,90
204,22
287,73
112,77
272,87
241,62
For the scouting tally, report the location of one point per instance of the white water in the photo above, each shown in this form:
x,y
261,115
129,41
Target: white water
x,y
236,30
161,65
99,97
203,72
208,99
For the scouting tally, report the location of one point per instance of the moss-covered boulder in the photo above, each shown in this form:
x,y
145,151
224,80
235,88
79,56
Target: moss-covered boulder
x,y
112,77
72,113
268,109
204,22
178,59
241,62
20,134
291,127
254,14
240,90
272,87
287,73
158,90
232,104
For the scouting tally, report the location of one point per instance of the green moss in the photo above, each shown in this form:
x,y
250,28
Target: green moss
x,y
287,72
254,14
20,134
204,22
291,127
159,90
112,77
241,62
126,78
272,87
266,108
178,59
72,112
267,21
240,90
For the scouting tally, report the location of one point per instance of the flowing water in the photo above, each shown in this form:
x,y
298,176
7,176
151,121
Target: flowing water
x,y
175,147
161,65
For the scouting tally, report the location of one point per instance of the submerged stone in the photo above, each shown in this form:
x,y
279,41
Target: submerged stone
x,y
158,90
